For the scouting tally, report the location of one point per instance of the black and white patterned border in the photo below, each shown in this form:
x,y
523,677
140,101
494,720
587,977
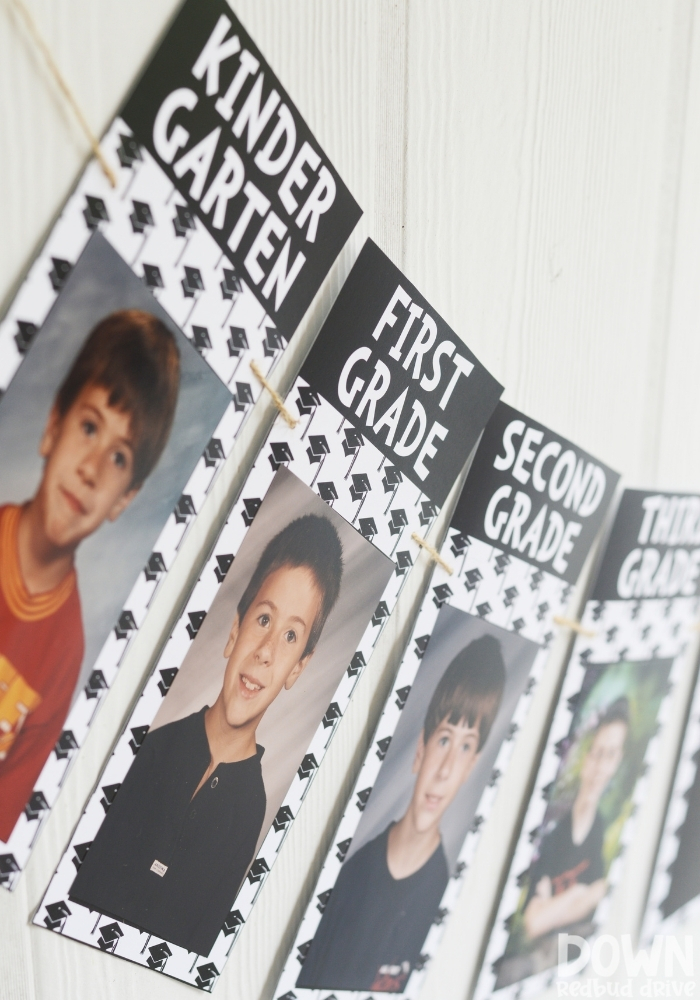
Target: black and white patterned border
x,y
505,591
151,227
684,778
629,630
331,456
149,224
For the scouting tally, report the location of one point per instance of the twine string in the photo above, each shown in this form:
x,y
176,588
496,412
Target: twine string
x,y
574,626
432,552
276,398
63,87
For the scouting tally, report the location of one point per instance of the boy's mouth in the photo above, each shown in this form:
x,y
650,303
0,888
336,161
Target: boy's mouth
x,y
73,502
433,801
249,686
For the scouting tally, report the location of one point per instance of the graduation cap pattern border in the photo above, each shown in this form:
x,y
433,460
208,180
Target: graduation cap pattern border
x,y
685,775
633,630
354,483
150,225
147,222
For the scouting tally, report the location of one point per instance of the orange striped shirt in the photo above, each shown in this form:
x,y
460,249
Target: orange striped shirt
x,y
41,650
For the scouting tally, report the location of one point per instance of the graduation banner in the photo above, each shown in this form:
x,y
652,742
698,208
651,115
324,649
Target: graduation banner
x,y
530,509
603,737
213,765
225,218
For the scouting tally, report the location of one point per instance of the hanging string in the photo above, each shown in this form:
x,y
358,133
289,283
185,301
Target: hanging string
x,y
276,398
62,85
574,626
432,552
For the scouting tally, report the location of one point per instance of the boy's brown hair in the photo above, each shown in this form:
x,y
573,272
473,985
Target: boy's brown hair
x,y
310,541
617,711
132,355
470,690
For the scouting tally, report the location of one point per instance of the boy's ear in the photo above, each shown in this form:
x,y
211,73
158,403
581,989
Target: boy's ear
x,y
232,637
296,671
48,438
121,504
420,753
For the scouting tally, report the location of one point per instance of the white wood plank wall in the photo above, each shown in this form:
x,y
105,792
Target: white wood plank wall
x,y
534,167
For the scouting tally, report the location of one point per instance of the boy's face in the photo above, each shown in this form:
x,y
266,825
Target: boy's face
x,y
603,759
265,650
89,466
442,764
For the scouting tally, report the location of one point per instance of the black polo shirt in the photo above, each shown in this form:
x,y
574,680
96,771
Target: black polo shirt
x,y
164,862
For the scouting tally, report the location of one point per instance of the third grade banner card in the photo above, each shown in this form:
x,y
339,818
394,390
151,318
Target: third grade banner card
x,y
603,736
125,374
530,509
194,805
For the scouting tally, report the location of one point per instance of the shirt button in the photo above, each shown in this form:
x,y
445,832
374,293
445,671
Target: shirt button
x,y
214,782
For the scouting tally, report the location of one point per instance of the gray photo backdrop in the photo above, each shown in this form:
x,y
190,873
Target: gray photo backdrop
x,y
454,629
109,561
292,719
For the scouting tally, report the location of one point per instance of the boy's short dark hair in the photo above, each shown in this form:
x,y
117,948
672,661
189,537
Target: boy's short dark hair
x,y
617,711
132,355
309,541
470,690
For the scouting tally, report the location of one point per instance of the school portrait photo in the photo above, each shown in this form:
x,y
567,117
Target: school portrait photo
x,y
602,759
100,430
421,806
227,741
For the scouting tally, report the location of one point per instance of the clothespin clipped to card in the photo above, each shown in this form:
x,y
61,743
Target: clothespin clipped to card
x,y
574,626
432,552
276,398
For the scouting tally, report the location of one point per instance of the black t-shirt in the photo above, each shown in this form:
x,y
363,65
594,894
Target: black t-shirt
x,y
203,846
567,863
374,925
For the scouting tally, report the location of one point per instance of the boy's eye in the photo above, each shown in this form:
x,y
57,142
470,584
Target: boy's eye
x,y
120,459
264,619
89,427
290,635
443,741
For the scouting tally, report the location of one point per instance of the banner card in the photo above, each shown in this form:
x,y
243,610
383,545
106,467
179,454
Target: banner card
x,y
224,221
604,735
213,765
445,737
674,895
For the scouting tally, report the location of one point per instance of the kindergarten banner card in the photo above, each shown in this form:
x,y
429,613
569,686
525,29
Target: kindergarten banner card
x,y
153,295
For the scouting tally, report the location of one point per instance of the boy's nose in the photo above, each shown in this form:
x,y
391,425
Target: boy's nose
x,y
264,650
446,765
88,468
